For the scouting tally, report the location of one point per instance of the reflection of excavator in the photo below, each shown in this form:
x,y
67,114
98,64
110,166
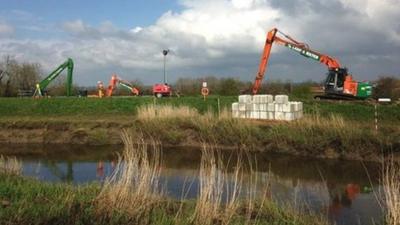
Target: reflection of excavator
x,y
57,170
338,85
69,65
115,80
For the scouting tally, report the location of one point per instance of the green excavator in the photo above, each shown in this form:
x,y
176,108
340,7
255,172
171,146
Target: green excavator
x,y
40,87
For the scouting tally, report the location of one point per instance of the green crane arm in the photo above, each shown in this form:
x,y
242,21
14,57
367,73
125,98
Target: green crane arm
x,y
69,65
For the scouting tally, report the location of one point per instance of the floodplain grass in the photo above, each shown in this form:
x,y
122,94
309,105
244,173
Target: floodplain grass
x,y
92,108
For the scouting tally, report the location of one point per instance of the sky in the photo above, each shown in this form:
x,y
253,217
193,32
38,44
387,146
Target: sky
x,y
222,38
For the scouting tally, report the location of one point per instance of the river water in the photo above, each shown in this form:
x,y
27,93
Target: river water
x,y
340,190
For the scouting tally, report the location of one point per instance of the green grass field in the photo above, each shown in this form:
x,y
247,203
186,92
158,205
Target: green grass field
x,y
127,106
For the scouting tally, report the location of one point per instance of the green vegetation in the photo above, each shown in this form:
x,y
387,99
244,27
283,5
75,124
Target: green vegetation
x,y
54,107
28,201
89,107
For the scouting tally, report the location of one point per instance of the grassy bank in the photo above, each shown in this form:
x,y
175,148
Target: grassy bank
x,y
328,130
132,195
91,108
314,135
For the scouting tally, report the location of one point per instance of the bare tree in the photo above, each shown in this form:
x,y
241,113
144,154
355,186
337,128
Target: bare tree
x,y
17,76
387,87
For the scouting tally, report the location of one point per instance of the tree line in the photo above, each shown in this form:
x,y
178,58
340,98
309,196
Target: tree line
x,y
16,76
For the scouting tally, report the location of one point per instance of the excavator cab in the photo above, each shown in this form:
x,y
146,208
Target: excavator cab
x,y
335,81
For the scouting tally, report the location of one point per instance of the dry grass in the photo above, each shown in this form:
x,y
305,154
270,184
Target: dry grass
x,y
10,166
219,192
391,188
133,188
149,112
334,122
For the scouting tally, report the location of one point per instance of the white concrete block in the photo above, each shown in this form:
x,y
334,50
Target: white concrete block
x,y
248,114
281,99
242,114
289,107
245,98
289,116
279,116
263,98
295,105
286,107
278,107
271,115
249,107
254,115
271,107
269,98
264,115
256,107
252,107
300,106
235,106
256,98
242,107
263,107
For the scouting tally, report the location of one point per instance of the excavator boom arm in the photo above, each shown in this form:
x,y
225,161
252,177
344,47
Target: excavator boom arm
x,y
115,80
69,65
289,42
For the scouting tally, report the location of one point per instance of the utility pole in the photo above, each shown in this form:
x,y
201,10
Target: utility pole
x,y
165,53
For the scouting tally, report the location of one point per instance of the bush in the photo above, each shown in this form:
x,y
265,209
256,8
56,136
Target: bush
x,y
387,87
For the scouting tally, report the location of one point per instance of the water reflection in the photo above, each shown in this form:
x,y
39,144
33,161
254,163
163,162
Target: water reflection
x,y
339,189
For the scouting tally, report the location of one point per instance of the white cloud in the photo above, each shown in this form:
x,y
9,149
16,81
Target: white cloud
x,y
76,26
6,30
226,37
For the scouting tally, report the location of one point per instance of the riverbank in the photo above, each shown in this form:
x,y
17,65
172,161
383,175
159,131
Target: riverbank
x,y
338,131
313,136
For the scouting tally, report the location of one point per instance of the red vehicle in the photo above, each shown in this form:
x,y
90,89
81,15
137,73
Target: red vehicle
x,y
162,90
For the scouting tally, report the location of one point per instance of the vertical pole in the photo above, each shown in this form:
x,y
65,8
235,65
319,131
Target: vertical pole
x,y
165,56
376,117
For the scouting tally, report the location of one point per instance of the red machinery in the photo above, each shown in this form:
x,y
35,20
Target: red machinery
x,y
115,80
160,90
339,84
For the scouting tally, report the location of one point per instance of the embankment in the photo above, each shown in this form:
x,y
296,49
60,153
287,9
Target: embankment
x,y
313,136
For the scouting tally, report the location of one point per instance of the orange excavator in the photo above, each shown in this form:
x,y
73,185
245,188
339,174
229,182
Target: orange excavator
x,y
115,81
338,84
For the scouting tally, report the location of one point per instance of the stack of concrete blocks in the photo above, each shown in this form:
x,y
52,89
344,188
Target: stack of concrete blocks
x,y
267,107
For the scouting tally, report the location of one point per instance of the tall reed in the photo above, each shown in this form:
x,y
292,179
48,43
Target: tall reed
x,y
10,166
218,199
391,189
133,188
